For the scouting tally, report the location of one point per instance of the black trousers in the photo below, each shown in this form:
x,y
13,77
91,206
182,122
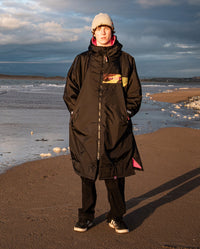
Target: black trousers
x,y
115,190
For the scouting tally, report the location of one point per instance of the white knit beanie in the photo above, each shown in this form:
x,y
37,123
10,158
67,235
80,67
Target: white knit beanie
x,y
102,19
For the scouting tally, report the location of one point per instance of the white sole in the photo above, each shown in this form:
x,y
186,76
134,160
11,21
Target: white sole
x,y
118,231
81,230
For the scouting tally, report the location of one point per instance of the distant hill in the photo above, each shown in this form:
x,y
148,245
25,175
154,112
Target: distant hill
x,y
173,80
195,79
37,77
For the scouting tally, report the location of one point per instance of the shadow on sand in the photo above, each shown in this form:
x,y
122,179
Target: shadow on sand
x,y
180,186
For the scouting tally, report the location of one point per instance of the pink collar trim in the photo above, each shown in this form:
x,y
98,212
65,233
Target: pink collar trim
x,y
113,39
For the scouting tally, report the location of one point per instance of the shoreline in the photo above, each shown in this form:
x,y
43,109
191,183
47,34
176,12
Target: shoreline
x,y
39,200
42,140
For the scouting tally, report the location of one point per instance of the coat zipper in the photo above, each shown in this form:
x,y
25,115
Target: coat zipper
x,y
105,60
99,124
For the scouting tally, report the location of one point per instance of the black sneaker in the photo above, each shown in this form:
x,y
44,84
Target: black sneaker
x,y
83,226
119,225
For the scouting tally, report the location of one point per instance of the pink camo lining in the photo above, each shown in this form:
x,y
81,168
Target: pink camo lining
x,y
136,165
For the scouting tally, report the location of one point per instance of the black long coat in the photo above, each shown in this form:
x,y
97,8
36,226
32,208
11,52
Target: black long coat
x,y
102,93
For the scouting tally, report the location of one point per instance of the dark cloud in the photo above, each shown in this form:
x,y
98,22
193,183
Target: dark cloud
x,y
162,35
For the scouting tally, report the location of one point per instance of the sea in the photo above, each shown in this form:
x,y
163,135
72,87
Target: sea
x,y
34,118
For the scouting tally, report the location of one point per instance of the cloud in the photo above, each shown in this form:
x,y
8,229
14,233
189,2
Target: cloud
x,y
156,32
79,6
7,21
184,46
29,25
147,3
179,45
53,31
194,2
153,3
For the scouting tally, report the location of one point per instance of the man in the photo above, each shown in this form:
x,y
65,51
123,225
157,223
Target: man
x,y
102,93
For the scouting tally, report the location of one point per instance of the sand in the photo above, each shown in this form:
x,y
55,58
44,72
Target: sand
x,y
176,96
39,200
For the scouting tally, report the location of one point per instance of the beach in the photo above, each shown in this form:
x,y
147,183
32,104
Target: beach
x,y
40,198
177,95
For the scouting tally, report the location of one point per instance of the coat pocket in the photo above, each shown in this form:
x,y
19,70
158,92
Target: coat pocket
x,y
74,117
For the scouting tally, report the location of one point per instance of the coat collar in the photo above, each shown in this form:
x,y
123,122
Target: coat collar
x,y
113,39
110,51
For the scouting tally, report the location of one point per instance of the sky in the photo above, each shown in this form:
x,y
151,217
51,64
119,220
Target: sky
x,y
42,37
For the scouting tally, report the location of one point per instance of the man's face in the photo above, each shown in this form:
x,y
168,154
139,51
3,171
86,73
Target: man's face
x,y
103,36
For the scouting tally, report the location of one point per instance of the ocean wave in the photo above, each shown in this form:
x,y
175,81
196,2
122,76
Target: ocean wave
x,y
53,85
154,85
3,92
29,87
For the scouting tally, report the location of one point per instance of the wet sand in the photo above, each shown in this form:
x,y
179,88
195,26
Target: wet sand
x,y
39,199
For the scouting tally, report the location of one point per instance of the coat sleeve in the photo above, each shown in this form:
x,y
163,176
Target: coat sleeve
x,y
133,90
73,84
